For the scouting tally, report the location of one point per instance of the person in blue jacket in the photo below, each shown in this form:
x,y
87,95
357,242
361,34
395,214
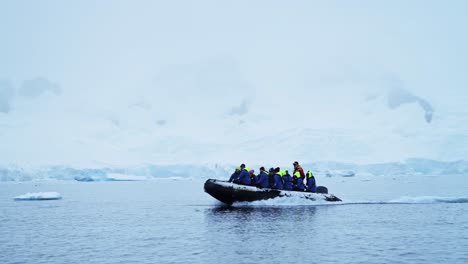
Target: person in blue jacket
x,y
262,179
278,180
235,175
298,182
287,180
244,176
311,185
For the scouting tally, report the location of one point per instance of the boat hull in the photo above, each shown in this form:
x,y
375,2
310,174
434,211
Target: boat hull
x,y
229,193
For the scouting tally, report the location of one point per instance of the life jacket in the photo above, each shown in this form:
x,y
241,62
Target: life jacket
x,y
297,168
309,175
311,184
287,180
296,176
280,173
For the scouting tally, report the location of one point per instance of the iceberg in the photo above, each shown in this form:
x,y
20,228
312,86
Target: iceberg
x,y
124,177
38,196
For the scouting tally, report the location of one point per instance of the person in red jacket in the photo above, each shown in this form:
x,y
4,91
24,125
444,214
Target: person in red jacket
x,y
298,171
298,168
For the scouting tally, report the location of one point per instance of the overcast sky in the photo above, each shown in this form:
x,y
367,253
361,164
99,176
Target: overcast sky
x,y
205,68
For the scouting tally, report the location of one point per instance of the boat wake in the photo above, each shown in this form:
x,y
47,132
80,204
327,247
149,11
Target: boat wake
x,y
297,201
430,199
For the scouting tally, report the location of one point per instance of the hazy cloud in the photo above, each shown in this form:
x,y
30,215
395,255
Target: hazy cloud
x,y
398,96
205,86
427,108
7,93
37,86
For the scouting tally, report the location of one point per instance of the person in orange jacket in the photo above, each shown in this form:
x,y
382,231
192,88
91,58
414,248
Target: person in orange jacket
x,y
298,168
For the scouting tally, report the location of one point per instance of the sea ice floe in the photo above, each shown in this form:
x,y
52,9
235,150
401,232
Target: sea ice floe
x,y
38,196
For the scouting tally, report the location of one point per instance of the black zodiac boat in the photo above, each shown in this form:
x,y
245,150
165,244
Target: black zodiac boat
x,y
228,193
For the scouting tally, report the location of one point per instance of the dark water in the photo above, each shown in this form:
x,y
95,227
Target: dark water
x,y
175,222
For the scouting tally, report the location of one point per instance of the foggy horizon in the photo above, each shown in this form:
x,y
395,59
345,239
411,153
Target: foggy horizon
x,y
196,82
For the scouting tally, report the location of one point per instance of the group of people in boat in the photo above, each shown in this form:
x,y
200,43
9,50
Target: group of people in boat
x,y
275,178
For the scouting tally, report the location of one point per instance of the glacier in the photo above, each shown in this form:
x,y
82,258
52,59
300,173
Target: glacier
x,y
321,169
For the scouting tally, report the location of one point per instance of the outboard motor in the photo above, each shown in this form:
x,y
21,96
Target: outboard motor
x,y
321,189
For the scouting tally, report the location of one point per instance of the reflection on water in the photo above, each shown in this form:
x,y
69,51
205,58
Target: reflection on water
x,y
256,231
269,214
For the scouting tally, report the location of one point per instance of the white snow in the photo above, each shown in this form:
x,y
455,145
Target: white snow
x,y
295,200
38,196
365,172
124,177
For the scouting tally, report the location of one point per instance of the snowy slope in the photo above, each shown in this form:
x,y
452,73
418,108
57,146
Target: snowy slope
x,y
409,168
55,130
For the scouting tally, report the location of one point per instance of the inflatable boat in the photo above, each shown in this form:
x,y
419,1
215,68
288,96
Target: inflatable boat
x,y
228,193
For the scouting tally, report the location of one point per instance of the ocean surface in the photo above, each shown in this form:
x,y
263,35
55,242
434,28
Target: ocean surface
x,y
417,220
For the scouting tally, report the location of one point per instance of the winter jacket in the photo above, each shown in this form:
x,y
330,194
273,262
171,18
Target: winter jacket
x,y
271,180
300,170
287,180
299,186
244,177
311,185
253,179
262,180
234,176
278,182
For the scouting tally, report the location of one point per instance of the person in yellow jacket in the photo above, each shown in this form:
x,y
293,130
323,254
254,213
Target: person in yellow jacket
x,y
298,182
311,184
278,179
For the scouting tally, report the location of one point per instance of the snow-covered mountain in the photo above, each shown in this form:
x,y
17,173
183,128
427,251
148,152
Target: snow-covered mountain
x,y
80,87
365,126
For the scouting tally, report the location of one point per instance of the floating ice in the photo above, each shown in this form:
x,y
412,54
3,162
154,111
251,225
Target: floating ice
x,y
340,173
38,196
124,177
